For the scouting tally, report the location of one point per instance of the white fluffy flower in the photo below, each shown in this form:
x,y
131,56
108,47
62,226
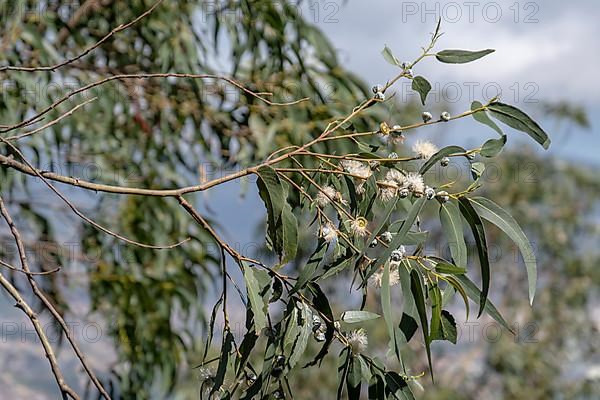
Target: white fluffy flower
x,y
387,236
359,226
328,232
325,196
206,374
360,188
395,175
425,149
358,340
414,182
376,279
357,168
388,190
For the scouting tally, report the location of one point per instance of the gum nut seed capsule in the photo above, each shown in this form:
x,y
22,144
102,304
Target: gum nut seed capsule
x,y
409,72
396,256
276,371
445,116
444,162
397,128
278,394
251,378
377,88
373,243
403,193
426,116
442,196
393,155
429,193
319,336
280,360
404,65
379,96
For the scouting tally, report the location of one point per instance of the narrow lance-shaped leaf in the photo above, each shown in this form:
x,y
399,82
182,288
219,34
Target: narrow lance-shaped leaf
x,y
386,307
479,234
482,117
517,119
257,302
419,296
453,229
461,56
492,212
352,317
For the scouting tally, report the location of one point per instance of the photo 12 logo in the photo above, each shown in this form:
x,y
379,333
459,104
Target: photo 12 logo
x,y
471,11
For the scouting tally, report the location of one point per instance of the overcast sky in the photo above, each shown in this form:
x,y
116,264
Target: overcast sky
x,y
544,50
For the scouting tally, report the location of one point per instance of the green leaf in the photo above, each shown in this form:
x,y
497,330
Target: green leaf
x,y
492,212
446,151
282,226
304,332
493,147
482,117
353,379
228,341
290,233
477,169
475,294
447,328
435,296
461,56
421,86
520,121
389,56
416,289
376,388
476,225
255,279
352,317
386,307
456,285
453,230
397,386
445,268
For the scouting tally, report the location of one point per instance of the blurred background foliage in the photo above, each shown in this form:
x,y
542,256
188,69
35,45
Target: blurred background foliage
x,y
163,133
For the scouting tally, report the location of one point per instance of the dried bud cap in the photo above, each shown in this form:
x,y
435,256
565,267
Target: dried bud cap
x,y
374,243
379,96
445,116
397,128
426,116
384,128
377,89
393,155
444,162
